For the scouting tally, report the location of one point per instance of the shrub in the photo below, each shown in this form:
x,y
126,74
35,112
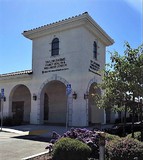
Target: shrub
x,y
70,149
7,121
11,121
110,137
125,149
137,135
91,138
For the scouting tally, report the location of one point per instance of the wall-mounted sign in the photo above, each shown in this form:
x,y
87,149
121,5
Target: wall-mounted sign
x,y
55,65
94,67
2,93
68,89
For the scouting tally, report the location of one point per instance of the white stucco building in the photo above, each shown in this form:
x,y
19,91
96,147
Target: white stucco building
x,y
65,53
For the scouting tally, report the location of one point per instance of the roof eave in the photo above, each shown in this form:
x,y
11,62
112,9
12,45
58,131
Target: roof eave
x,y
82,20
99,32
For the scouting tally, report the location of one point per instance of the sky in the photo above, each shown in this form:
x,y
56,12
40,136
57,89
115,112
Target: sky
x,y
121,19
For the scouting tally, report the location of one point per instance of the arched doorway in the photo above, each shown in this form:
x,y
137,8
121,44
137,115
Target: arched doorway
x,y
53,102
20,102
95,115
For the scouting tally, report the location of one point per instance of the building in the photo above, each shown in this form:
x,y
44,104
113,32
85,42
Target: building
x,y
66,58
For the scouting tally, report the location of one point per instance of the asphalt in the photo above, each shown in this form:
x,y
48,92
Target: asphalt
x,y
14,147
26,140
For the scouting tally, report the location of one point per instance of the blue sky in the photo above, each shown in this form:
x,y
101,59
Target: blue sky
x,y
121,19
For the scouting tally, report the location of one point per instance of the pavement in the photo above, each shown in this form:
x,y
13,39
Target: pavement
x,y
14,147
26,140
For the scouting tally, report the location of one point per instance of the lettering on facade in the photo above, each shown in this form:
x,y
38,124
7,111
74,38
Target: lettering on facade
x,y
94,67
55,65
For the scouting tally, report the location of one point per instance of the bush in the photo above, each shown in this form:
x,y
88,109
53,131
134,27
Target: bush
x,y
110,137
91,138
7,121
70,149
125,149
137,135
11,121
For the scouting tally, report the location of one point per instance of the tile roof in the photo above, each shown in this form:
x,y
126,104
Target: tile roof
x,y
16,73
57,22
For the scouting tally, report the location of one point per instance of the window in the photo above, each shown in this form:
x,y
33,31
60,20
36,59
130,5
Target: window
x,y
95,50
0,105
55,47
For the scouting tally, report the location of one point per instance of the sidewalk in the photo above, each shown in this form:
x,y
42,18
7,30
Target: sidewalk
x,y
22,141
26,140
44,130
14,147
41,130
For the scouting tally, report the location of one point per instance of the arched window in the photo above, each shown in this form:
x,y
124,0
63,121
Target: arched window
x,y
0,104
55,47
95,50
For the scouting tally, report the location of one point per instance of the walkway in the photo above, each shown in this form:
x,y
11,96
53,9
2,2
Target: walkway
x,y
22,141
14,147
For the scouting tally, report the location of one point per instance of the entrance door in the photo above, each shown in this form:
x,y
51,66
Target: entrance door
x,y
18,110
46,107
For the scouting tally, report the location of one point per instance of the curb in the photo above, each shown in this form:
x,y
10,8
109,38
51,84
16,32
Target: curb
x,y
36,155
15,131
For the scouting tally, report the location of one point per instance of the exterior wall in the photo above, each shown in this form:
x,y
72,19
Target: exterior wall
x,y
8,86
76,46
76,53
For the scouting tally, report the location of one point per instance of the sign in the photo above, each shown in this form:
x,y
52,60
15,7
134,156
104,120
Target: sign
x,y
68,89
54,65
94,67
2,93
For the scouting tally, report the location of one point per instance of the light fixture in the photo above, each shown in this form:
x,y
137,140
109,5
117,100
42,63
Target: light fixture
x,y
4,99
86,95
34,97
74,95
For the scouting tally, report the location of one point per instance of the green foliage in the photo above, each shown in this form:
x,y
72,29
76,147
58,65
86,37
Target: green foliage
x,y
137,135
11,121
110,137
124,149
123,79
70,149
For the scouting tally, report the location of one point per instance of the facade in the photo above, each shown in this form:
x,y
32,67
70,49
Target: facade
x,y
66,58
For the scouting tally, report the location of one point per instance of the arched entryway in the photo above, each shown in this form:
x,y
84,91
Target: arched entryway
x,y
20,103
53,102
95,115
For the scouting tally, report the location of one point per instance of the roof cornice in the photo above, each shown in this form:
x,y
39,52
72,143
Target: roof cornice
x,y
73,22
98,31
16,75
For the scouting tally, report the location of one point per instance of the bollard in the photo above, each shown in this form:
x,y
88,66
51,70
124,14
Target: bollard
x,y
101,145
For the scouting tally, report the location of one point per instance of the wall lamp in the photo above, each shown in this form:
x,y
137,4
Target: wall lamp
x,y
34,97
4,99
74,95
86,95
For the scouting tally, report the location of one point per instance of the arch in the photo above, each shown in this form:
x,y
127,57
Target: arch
x,y
20,102
52,100
95,115
93,80
54,77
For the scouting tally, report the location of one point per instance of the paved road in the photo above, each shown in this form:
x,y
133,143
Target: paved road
x,y
13,146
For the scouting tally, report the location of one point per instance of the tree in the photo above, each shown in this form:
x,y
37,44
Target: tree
x,y
123,81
